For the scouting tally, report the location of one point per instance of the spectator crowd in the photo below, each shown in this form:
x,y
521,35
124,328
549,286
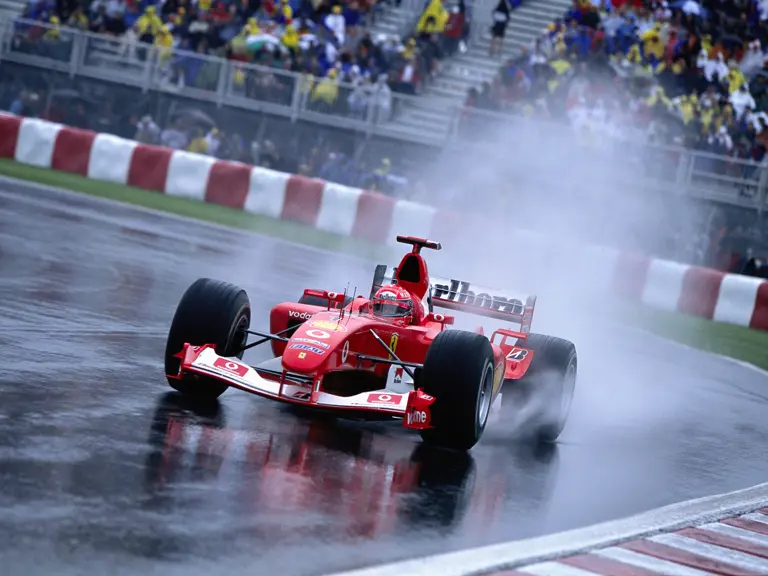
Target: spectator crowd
x,y
344,68
688,73
195,133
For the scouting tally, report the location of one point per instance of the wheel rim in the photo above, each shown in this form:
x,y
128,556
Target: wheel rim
x,y
485,396
240,336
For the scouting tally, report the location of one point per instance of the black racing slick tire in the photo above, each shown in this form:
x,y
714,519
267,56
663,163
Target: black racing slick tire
x,y
459,372
210,312
550,381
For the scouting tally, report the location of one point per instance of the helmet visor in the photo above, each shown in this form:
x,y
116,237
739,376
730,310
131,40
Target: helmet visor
x,y
391,308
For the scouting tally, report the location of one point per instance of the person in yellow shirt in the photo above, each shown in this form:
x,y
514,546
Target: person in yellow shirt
x,y
707,116
327,90
687,109
78,19
164,44
410,49
54,32
290,37
433,19
286,12
148,25
658,97
198,144
652,44
251,27
735,77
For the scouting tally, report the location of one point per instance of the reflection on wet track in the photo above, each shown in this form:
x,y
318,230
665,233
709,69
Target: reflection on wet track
x,y
104,470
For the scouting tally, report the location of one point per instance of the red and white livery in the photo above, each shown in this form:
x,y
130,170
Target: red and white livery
x,y
389,355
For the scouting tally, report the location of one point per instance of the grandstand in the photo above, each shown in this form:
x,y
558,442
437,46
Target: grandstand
x,y
435,110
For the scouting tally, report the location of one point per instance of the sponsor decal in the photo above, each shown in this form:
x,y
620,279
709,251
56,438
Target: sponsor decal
x,y
302,355
327,325
398,379
230,366
310,341
457,291
378,398
517,354
302,396
393,344
317,334
307,347
302,315
345,352
417,417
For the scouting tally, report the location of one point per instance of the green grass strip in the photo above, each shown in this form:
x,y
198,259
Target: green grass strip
x,y
293,231
726,339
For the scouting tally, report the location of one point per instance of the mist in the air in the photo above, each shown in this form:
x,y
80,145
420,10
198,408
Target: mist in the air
x,y
543,209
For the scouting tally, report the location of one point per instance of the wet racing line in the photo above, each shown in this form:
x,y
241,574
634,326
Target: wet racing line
x,y
102,467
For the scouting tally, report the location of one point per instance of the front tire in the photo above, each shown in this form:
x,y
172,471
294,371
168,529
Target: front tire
x,y
459,372
210,312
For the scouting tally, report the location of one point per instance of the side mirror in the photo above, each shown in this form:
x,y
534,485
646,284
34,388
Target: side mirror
x,y
441,318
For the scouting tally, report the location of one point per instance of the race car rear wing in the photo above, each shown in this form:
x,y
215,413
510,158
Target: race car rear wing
x,y
471,298
483,301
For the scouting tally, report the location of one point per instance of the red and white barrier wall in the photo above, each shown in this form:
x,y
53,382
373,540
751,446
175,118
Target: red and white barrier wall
x,y
347,211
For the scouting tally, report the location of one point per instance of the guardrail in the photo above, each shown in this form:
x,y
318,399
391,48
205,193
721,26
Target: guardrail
x,y
249,87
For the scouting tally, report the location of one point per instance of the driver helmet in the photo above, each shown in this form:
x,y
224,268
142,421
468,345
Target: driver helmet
x,y
392,302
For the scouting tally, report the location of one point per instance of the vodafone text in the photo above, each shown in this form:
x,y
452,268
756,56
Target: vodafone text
x,y
301,315
416,417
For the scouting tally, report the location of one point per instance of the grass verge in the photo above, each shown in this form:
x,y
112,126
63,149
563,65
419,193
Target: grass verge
x,y
191,208
726,339
735,341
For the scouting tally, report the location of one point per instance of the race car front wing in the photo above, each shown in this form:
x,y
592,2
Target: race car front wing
x,y
413,407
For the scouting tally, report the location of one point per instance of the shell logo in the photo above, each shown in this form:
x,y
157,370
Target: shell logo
x,y
328,325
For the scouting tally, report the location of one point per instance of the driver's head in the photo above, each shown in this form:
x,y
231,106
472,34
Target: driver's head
x,y
392,302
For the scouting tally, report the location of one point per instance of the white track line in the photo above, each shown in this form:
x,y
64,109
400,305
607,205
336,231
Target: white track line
x,y
719,553
734,532
649,562
546,548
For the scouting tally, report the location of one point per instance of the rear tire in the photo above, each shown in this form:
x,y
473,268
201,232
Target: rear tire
x,y
459,372
210,312
550,377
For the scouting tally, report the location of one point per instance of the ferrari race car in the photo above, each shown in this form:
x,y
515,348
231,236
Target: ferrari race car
x,y
386,356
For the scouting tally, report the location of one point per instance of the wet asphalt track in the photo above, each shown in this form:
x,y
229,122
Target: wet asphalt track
x,y
103,471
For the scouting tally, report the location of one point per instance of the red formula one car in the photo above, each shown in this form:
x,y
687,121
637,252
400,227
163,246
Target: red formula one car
x,y
389,355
